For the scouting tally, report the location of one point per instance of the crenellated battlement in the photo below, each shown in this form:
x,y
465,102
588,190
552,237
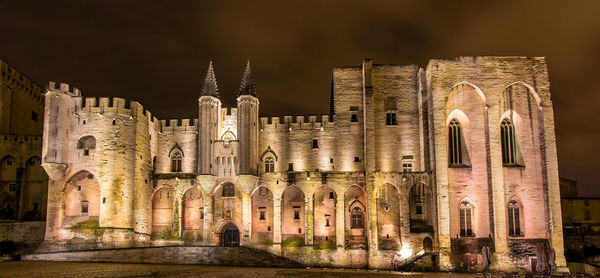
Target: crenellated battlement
x,y
297,122
29,139
64,88
179,125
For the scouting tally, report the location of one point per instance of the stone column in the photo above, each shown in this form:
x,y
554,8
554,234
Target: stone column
x,y
497,187
553,188
56,175
308,221
277,220
246,218
208,219
340,227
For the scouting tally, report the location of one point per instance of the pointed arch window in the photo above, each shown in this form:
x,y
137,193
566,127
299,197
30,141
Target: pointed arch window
x,y
514,218
357,218
455,143
466,212
176,158
269,165
509,150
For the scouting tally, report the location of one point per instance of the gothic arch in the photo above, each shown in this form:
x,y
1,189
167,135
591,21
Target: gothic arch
x,y
530,89
268,150
262,215
477,89
81,198
176,147
324,215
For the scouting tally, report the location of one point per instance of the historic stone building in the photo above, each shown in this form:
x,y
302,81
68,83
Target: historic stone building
x,y
430,165
23,182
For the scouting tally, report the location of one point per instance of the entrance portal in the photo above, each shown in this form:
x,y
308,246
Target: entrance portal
x,y
427,244
230,235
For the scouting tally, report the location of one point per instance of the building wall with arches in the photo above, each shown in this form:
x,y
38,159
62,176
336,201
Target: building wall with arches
x,y
409,159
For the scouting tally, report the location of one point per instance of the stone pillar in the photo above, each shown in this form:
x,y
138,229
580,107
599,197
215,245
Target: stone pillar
x,y
340,227
277,220
208,219
56,175
246,218
553,188
497,187
308,221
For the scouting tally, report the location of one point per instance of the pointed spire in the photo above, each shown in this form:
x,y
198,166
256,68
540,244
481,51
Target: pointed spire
x,y
247,86
210,83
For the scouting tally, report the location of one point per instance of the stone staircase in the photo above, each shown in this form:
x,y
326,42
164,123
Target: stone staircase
x,y
206,255
414,258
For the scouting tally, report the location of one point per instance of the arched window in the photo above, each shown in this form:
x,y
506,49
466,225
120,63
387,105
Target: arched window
x,y
357,218
514,218
228,190
466,212
507,133
86,143
176,158
455,152
269,165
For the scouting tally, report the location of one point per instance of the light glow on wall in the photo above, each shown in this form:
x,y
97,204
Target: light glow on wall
x,y
405,252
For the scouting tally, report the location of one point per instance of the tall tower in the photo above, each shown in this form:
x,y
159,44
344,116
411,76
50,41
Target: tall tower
x,y
209,106
247,122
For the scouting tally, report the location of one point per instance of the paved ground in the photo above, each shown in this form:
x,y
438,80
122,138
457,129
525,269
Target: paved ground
x,y
76,269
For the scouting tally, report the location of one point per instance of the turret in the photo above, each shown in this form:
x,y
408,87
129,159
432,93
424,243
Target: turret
x,y
209,106
59,102
247,123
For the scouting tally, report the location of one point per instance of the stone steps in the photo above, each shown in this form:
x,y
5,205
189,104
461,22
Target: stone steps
x,y
206,255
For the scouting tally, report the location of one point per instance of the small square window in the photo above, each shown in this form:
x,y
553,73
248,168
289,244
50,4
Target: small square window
x,y
262,215
419,210
34,116
390,118
407,167
83,121
12,187
86,152
315,144
356,159
331,195
354,118
331,160
291,166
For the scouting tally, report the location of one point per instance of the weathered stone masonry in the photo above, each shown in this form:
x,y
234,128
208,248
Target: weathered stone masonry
x,y
446,159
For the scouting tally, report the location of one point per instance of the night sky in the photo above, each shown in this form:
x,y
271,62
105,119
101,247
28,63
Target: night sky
x,y
157,52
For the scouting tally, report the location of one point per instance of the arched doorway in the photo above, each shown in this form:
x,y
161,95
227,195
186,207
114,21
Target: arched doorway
x,y
427,244
230,235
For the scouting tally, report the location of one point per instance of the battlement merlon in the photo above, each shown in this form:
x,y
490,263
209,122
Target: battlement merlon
x,y
63,88
297,122
178,125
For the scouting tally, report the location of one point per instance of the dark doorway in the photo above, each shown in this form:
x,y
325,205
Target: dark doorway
x,y
231,235
427,244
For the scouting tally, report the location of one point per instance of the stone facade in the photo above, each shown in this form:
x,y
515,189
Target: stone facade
x,y
439,161
23,182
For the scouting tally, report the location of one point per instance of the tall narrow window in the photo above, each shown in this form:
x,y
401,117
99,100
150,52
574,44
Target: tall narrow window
x,y
455,143
176,158
269,165
228,190
315,144
507,133
84,207
357,218
466,211
514,218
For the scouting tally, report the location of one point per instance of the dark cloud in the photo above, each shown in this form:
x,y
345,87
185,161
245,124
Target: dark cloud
x,y
157,52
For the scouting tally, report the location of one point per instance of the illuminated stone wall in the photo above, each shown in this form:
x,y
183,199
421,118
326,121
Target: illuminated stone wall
x,y
23,182
370,183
